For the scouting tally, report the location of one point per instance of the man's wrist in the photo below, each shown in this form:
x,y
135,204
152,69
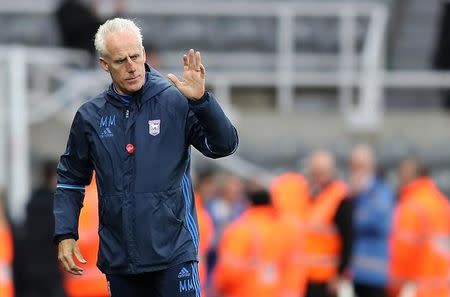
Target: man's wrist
x,y
200,100
59,238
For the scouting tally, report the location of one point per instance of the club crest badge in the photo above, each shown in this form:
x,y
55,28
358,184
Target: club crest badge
x,y
154,127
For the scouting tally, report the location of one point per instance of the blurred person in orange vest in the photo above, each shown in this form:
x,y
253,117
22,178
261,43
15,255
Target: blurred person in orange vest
x,y
290,197
259,254
289,193
329,233
37,249
420,239
92,283
6,254
205,188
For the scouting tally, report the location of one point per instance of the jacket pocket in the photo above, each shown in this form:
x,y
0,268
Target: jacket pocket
x,y
159,226
111,250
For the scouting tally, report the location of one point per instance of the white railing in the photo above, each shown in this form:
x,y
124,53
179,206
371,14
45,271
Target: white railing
x,y
283,76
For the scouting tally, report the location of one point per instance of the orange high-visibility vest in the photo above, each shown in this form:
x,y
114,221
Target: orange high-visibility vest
x,y
92,283
323,244
259,256
6,258
420,240
206,234
289,193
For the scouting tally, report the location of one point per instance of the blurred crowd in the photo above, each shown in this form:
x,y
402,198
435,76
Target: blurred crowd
x,y
312,234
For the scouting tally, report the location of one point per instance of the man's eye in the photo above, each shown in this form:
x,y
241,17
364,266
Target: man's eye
x,y
134,58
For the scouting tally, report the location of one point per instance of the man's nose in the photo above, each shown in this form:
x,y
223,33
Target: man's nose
x,y
131,67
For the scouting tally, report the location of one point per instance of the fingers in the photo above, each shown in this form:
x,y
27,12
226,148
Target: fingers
x,y
202,71
67,249
63,262
174,79
69,265
191,61
73,268
197,61
79,256
185,63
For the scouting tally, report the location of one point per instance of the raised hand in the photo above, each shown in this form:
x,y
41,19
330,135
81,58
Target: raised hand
x,y
192,84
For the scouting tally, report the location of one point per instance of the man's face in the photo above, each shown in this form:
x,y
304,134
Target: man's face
x,y
321,169
361,168
124,60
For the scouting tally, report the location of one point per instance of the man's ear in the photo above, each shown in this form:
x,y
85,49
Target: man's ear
x,y
103,64
144,54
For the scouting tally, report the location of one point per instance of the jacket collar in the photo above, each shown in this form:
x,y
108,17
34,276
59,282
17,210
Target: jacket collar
x,y
154,84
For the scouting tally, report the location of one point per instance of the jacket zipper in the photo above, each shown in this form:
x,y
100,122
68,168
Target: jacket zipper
x,y
127,113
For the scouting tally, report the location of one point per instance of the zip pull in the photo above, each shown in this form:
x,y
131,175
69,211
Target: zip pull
x,y
127,113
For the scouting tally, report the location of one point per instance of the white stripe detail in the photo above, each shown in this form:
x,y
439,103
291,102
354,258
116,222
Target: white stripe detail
x,y
71,187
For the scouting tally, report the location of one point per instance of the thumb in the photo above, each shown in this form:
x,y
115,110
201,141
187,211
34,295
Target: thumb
x,y
79,256
174,79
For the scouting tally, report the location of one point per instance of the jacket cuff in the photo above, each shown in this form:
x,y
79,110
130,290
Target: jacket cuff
x,y
58,238
200,101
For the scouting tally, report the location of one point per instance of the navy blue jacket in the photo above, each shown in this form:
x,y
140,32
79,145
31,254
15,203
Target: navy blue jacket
x,y
146,206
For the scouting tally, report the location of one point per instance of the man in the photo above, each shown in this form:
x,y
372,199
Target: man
x,y
420,240
39,225
224,208
373,202
259,254
328,227
137,136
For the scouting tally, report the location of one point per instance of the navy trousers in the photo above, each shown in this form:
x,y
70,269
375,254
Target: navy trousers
x,y
177,281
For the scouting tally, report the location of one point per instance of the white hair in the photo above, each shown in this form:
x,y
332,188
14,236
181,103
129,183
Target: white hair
x,y
115,25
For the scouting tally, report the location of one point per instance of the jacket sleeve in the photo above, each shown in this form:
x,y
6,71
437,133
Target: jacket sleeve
x,y
344,221
209,130
74,172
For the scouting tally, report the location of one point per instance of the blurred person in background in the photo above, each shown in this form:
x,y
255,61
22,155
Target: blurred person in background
x,y
259,253
373,202
6,253
42,274
290,195
329,235
224,208
137,135
205,188
229,203
92,282
420,239
78,20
